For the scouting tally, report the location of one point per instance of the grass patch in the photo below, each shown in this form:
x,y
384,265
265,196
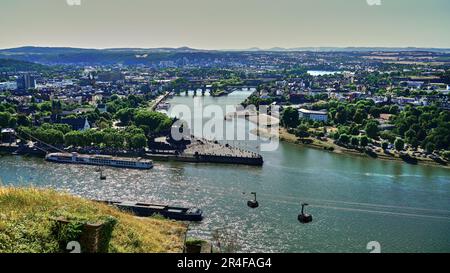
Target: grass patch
x,y
27,219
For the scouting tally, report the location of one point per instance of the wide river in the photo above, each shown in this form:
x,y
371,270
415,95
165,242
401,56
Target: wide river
x,y
353,200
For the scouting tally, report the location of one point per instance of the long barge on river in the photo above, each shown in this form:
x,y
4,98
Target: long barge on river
x,y
147,210
100,160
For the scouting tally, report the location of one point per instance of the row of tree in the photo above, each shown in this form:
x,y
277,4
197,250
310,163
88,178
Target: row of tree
x,y
149,121
59,134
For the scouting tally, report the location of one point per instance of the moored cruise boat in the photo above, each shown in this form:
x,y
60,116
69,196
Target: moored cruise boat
x,y
100,160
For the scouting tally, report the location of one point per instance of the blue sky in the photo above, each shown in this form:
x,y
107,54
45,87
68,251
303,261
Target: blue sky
x,y
225,24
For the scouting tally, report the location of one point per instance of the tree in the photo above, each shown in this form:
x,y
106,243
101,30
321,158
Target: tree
x,y
393,109
354,141
316,124
290,118
92,116
399,144
125,115
302,131
7,107
402,127
375,111
138,141
446,155
45,106
133,130
23,120
154,122
440,136
63,128
4,119
134,100
372,129
114,139
344,139
341,115
336,135
106,115
411,138
363,141
384,145
12,122
102,123
97,137
430,147
359,116
50,136
388,135
56,107
354,129
75,138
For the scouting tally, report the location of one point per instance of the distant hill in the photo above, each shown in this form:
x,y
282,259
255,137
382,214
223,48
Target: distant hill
x,y
10,65
72,50
345,49
43,50
151,56
83,56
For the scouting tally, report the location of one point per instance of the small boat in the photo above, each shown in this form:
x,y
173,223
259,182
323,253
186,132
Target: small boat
x,y
147,210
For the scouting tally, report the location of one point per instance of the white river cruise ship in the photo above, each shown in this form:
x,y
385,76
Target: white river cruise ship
x,y
100,160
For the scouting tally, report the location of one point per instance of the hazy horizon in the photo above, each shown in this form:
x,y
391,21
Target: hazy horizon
x,y
224,49
225,25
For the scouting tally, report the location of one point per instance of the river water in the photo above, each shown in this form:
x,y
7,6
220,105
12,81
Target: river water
x,y
353,200
321,72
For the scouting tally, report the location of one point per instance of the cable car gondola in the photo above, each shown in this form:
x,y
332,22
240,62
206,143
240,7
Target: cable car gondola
x,y
253,203
102,176
304,217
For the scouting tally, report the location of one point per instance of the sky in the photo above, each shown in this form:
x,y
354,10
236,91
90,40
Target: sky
x,y
225,24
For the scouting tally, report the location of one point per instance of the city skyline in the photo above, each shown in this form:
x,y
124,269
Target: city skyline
x,y
220,25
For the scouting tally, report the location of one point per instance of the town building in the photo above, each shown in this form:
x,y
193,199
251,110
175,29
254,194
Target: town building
x,y
7,135
313,115
78,124
8,86
25,82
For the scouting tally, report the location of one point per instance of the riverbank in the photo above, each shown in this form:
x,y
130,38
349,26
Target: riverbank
x,y
198,151
28,218
330,146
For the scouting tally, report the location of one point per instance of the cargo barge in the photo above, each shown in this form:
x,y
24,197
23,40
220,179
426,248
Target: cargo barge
x,y
147,210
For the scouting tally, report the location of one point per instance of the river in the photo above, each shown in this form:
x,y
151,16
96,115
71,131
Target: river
x,y
353,200
321,72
